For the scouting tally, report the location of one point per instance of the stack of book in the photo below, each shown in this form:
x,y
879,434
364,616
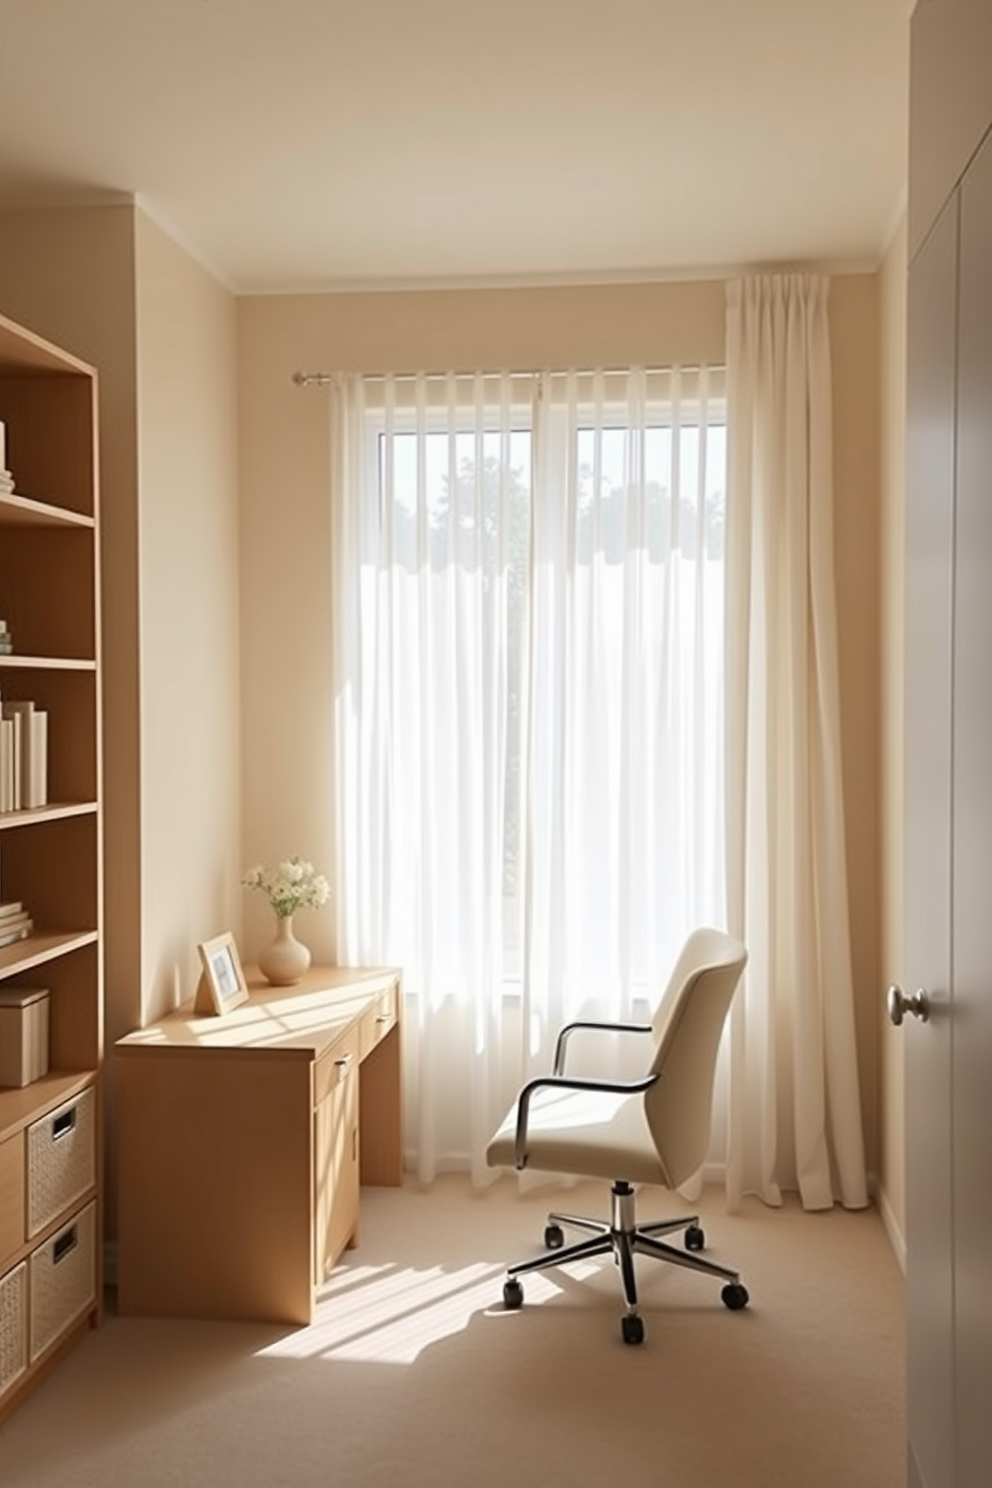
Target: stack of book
x,y
23,756
15,923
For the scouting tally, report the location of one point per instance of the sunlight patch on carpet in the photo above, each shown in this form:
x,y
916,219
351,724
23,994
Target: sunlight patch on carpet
x,y
390,1315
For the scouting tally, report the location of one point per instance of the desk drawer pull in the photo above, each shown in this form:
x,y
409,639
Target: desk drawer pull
x,y
343,1063
63,1124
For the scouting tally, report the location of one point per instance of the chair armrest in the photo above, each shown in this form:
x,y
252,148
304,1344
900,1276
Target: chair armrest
x,y
569,1029
562,1082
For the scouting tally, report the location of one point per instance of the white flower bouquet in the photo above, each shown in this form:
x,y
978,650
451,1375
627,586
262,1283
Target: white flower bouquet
x,y
293,885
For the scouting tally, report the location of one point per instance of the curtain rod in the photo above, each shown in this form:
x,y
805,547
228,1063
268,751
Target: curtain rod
x,y
322,379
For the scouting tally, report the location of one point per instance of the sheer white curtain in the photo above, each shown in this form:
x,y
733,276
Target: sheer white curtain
x,y
529,717
794,1102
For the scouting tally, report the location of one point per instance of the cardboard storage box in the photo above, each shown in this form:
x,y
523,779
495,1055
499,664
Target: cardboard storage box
x,y
23,1035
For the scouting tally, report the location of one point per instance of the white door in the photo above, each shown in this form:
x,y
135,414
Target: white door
x,y
971,922
948,844
930,390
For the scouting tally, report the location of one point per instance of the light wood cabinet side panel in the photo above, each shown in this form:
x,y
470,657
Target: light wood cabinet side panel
x,y
215,1186
11,1198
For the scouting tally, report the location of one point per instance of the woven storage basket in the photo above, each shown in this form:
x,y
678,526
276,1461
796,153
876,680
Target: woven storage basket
x,y
61,1160
13,1325
63,1279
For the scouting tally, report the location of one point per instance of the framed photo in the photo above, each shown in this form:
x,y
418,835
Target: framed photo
x,y
222,983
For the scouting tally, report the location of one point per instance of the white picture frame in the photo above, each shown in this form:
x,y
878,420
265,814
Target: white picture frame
x,y
222,983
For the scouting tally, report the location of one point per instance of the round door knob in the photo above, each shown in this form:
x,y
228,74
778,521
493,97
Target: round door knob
x,y
899,1005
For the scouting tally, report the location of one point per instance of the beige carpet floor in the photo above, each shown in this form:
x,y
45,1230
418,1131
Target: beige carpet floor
x,y
413,1374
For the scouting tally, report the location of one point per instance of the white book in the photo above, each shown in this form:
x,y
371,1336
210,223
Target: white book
x,y
39,758
6,765
12,762
16,770
24,710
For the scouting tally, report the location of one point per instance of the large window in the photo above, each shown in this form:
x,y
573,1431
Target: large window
x,y
532,688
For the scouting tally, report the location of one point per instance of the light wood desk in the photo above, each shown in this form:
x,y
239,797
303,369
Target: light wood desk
x,y
243,1139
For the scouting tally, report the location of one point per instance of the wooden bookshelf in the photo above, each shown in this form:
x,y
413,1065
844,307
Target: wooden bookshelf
x,y
51,860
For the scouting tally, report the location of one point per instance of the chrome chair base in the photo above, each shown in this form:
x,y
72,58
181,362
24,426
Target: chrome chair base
x,y
624,1238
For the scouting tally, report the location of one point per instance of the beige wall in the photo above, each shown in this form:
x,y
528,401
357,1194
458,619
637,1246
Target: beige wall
x,y
283,433
892,1197
854,321
189,615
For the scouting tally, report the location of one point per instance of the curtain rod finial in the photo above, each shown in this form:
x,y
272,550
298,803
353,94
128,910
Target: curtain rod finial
x,y
305,379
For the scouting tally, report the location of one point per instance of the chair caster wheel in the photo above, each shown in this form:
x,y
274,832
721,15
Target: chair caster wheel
x,y
694,1238
554,1237
513,1295
735,1296
632,1328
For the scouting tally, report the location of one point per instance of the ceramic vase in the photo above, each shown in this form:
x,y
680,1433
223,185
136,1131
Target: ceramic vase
x,y
285,959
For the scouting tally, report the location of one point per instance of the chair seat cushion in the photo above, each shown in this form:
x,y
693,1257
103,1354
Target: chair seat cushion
x,y
590,1134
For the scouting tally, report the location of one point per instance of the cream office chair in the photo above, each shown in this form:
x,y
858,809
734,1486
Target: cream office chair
x,y
651,1130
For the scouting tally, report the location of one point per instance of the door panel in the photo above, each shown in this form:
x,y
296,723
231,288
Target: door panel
x,y
931,381
972,836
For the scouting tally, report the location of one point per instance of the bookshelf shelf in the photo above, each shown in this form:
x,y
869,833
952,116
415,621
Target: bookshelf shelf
x,y
54,811
51,855
22,511
46,663
25,955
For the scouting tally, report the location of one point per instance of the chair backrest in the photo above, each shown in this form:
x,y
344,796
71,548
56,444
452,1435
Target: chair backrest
x,y
688,1025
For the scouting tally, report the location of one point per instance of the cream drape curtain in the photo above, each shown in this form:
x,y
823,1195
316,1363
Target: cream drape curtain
x,y
528,584
794,1106
425,651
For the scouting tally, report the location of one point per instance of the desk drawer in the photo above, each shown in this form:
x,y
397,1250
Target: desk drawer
x,y
336,1064
378,1020
61,1159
